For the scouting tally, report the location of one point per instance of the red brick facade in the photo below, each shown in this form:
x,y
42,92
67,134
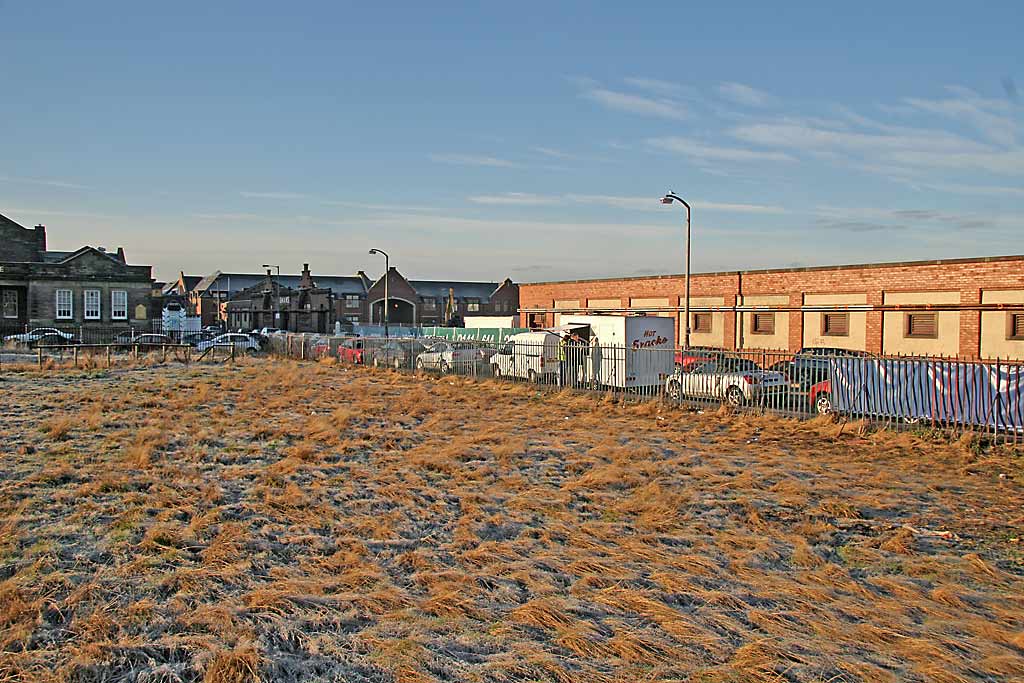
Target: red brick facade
x,y
969,278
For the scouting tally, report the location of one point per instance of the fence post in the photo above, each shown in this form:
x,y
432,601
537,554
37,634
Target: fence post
x,y
39,350
76,356
108,355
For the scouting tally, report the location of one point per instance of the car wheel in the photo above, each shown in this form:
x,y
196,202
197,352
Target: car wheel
x,y
734,396
419,364
445,368
823,403
531,377
673,389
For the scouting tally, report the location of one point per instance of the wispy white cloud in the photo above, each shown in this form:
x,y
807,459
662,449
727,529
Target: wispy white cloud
x,y
48,182
472,160
744,95
615,201
659,86
807,137
638,104
555,153
914,219
12,211
987,116
274,195
512,199
706,152
979,190
378,207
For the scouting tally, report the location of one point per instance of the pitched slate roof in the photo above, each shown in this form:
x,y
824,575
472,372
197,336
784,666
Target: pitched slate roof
x,y
438,289
65,256
234,282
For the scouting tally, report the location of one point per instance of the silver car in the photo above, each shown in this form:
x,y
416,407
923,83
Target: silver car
x,y
39,333
240,342
451,355
734,380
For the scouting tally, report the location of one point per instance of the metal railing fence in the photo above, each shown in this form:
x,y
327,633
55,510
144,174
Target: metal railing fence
x,y
897,392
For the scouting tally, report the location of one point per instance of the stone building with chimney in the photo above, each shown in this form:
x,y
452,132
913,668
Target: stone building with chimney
x,y
269,303
86,289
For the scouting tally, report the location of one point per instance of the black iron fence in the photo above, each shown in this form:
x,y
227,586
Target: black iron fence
x,y
19,335
902,392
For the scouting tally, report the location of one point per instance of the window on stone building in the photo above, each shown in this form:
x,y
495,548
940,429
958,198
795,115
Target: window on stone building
x,y
835,324
701,322
922,326
10,303
352,300
430,304
472,305
1015,326
119,304
763,323
91,308
65,304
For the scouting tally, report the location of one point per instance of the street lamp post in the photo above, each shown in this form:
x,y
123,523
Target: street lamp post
x,y
668,199
277,296
387,303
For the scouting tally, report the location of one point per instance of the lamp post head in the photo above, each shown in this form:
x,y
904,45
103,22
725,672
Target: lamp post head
x,y
374,251
666,199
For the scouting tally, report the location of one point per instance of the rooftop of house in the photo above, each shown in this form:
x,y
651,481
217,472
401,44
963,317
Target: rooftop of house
x,y
438,289
234,282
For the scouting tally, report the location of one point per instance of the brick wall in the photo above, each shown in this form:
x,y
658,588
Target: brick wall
x,y
969,277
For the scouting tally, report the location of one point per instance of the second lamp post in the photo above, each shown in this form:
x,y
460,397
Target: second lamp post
x,y
668,199
387,304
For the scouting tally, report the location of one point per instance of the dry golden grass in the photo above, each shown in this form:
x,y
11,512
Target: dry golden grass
x,y
272,520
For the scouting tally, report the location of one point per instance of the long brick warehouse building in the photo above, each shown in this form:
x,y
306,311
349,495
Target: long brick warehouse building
x,y
970,308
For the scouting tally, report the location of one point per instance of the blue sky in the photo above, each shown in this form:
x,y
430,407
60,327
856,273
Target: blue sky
x,y
529,140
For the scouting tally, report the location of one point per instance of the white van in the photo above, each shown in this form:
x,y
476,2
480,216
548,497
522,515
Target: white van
x,y
625,352
527,355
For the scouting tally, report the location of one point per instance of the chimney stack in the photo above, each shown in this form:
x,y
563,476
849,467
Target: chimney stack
x,y
41,238
306,281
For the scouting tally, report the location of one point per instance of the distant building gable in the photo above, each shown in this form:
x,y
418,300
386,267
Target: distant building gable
x,y
19,244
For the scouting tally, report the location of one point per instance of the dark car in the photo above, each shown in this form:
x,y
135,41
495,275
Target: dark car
x,y
395,353
195,338
809,366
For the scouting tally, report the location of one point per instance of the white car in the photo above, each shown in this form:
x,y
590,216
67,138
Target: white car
x,y
240,342
37,334
452,355
734,380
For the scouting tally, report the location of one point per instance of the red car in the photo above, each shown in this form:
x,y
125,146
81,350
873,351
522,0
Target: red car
x,y
694,355
819,397
351,351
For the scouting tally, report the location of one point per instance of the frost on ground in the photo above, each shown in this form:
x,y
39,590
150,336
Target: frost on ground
x,y
277,521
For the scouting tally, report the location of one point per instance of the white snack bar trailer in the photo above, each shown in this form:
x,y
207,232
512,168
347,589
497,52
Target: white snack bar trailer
x,y
624,352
